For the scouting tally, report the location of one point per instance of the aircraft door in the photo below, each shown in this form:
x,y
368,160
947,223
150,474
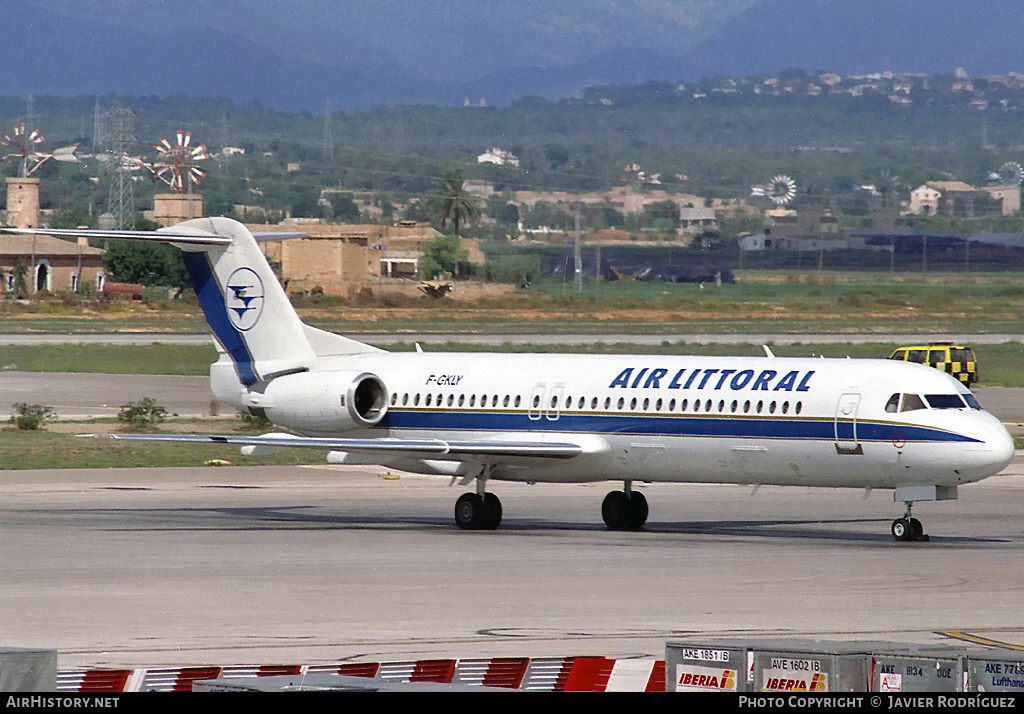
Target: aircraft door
x,y
846,424
537,400
554,402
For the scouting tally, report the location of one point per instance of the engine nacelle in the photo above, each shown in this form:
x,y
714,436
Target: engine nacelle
x,y
320,402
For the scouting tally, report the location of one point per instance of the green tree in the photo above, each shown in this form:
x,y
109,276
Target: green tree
x,y
345,209
441,256
20,273
72,218
146,263
452,202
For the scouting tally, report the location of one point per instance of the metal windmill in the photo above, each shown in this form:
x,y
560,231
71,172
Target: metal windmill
x,y
23,145
1010,174
177,165
781,190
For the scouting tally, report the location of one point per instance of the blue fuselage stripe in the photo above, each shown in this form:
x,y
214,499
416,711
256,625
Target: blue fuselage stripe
x,y
211,299
667,425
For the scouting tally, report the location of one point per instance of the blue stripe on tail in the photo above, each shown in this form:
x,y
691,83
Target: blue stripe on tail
x,y
211,299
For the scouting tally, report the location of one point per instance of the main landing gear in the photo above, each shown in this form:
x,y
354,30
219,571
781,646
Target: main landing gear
x,y
907,528
478,511
624,510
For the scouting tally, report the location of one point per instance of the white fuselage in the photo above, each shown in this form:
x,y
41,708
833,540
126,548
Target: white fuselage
x,y
746,420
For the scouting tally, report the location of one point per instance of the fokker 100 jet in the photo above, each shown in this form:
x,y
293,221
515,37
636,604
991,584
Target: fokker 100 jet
x,y
840,423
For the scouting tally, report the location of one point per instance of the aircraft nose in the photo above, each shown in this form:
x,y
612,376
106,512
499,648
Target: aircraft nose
x,y
1000,448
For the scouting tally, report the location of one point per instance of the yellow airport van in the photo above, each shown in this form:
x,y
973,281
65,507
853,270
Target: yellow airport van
x,y
953,359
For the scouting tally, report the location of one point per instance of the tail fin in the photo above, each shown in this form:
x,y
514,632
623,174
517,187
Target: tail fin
x,y
245,306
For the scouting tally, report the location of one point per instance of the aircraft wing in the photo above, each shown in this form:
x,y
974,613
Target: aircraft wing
x,y
411,448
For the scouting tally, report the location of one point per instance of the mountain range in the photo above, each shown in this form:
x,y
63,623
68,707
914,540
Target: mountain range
x,y
354,54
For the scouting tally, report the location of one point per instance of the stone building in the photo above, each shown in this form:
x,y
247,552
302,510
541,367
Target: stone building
x,y
54,265
342,259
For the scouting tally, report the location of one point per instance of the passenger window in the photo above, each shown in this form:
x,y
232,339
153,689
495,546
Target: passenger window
x,y
607,402
707,406
912,402
632,404
621,402
785,407
462,399
518,401
799,407
647,404
405,399
893,405
504,402
429,398
451,399
394,398
733,406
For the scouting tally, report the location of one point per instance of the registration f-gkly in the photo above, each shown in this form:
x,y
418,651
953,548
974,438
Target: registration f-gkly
x,y
478,418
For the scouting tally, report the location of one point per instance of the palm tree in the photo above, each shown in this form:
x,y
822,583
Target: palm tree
x,y
452,202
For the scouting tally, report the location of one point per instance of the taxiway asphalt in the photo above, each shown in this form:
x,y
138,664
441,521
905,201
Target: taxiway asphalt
x,y
184,566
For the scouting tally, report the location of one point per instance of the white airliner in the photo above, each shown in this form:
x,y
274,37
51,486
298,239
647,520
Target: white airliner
x,y
867,424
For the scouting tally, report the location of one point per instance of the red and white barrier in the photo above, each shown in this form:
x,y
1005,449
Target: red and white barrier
x,y
553,674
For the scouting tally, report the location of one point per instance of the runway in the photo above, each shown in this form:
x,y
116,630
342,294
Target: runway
x,y
161,567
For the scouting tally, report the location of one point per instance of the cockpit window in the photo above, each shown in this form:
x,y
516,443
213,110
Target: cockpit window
x,y
912,402
893,405
972,401
945,401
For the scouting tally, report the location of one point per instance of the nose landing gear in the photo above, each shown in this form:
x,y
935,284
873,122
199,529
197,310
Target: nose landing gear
x,y
908,528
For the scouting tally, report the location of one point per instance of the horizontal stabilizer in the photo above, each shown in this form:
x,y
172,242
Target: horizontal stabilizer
x,y
164,235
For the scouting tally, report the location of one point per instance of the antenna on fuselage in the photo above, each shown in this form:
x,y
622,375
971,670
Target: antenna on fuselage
x,y
768,352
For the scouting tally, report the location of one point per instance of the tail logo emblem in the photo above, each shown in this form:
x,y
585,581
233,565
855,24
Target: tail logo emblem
x,y
244,298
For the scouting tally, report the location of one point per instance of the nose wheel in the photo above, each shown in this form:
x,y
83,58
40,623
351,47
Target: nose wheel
x,y
908,529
